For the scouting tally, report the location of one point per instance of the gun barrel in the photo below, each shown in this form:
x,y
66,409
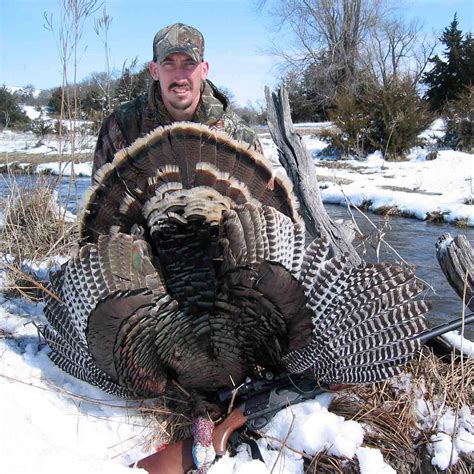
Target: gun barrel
x,y
446,327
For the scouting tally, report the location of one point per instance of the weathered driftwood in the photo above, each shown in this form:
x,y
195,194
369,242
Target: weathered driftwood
x,y
456,258
299,166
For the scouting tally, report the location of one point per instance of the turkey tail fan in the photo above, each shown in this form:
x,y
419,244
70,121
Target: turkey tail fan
x,y
254,234
114,276
365,320
179,153
194,269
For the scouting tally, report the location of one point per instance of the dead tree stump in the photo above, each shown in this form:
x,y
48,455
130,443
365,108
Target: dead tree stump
x,y
456,259
300,167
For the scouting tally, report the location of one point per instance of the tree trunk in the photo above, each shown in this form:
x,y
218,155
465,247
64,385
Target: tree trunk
x,y
456,259
301,170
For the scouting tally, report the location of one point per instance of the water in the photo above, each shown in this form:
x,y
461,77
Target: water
x,y
73,192
413,239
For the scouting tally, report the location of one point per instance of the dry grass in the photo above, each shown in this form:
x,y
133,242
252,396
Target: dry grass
x,y
34,229
387,410
388,413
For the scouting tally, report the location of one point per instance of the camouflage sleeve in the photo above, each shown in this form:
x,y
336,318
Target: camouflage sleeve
x,y
109,141
238,129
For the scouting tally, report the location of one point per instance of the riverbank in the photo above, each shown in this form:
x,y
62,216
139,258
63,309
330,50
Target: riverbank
x,y
14,160
433,185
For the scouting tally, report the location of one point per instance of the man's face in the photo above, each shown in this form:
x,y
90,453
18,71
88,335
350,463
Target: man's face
x,y
180,79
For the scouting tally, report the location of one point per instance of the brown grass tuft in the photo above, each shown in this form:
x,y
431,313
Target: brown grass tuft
x,y
388,410
34,229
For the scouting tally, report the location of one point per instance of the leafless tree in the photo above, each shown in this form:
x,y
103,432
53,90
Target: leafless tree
x,y
327,36
343,50
67,32
397,50
133,80
101,27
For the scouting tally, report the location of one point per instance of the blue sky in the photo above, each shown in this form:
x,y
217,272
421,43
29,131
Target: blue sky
x,y
235,33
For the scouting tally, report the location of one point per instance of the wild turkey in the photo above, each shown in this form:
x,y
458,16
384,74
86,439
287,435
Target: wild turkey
x,y
193,269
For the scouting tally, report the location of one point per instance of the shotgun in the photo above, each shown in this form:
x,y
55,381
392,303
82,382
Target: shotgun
x,y
257,402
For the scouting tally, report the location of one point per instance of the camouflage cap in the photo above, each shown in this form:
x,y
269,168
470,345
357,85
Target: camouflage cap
x,y
178,38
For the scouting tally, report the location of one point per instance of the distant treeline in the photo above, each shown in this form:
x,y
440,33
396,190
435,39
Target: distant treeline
x,y
375,77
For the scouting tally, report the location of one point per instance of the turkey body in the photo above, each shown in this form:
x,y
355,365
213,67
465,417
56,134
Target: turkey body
x,y
193,269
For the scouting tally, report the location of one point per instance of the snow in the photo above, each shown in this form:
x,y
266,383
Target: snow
x,y
31,112
12,142
371,462
460,343
66,169
453,433
416,187
242,462
13,89
311,428
314,125
434,132
52,422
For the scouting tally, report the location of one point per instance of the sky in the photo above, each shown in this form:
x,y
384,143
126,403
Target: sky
x,y
236,34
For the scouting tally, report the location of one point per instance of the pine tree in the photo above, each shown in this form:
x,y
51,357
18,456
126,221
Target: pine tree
x,y
452,73
468,61
132,82
10,111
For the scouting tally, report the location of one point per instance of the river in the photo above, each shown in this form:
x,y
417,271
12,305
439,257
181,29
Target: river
x,y
413,239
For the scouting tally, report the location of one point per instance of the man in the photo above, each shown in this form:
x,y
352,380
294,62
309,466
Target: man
x,y
179,91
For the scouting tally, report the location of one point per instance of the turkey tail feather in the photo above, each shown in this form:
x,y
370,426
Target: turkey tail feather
x,y
245,175
114,276
363,317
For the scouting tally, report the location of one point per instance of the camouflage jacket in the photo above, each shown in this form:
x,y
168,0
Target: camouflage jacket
x,y
137,117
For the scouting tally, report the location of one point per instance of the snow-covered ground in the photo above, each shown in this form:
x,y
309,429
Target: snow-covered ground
x,y
27,142
53,423
418,187
12,142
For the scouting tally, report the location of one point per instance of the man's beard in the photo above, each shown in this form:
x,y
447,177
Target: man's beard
x,y
179,104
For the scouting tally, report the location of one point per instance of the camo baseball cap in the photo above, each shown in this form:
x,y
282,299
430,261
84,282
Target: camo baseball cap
x,y
178,38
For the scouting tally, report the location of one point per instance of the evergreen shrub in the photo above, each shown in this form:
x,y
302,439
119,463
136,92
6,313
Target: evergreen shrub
x,y
381,117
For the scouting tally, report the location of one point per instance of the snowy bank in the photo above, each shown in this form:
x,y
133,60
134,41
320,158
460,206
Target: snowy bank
x,y
14,142
418,187
50,420
66,169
